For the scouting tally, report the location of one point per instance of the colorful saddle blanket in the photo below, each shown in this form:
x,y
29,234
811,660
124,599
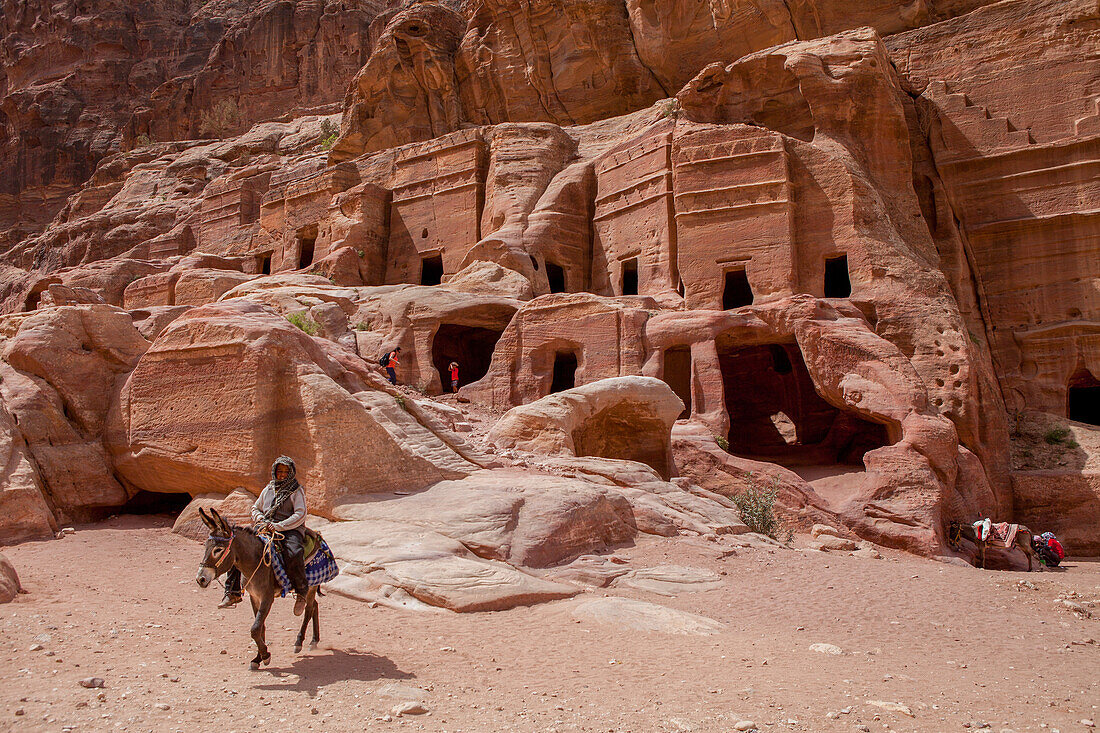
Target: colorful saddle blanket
x,y
1004,532
320,568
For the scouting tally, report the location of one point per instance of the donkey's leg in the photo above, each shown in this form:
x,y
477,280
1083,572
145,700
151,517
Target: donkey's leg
x,y
316,624
263,656
302,631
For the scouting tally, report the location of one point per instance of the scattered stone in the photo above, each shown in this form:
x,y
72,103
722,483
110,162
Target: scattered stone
x,y
823,529
1088,723
745,725
20,711
92,682
893,707
37,647
163,706
409,708
830,649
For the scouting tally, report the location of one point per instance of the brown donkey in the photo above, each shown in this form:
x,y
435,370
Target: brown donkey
x,y
961,530
231,545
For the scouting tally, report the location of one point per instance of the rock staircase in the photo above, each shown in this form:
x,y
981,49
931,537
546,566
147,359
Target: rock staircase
x,y
969,130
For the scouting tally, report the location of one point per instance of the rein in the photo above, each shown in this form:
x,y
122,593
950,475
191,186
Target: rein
x,y
267,535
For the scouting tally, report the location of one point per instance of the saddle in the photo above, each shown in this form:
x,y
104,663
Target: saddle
x,y
312,543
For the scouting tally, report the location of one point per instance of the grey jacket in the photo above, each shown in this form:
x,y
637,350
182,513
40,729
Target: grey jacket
x,y
294,521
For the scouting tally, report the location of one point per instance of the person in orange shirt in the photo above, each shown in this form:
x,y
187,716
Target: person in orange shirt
x,y
391,365
453,368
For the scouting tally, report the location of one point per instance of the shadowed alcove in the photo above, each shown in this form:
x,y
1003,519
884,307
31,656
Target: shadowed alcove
x,y
1083,398
776,414
470,346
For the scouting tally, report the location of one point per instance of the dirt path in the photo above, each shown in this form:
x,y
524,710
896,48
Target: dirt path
x,y
953,645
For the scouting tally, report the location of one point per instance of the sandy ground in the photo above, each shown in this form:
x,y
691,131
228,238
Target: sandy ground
x,y
956,646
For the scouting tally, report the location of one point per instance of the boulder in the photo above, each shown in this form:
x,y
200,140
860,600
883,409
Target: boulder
x,y
228,387
379,555
624,417
9,581
80,351
76,473
236,508
519,517
198,287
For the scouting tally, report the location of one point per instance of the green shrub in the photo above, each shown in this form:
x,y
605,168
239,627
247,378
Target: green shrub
x,y
722,443
757,508
670,108
361,326
329,133
1057,436
305,323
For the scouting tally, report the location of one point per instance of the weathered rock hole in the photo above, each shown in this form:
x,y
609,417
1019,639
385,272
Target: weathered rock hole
x,y
154,502
776,414
1083,398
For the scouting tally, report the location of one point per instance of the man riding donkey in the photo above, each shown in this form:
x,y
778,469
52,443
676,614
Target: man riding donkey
x,y
281,509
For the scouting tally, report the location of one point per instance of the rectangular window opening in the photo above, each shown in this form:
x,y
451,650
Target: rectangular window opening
x,y
306,245
736,291
556,275
565,372
837,282
431,270
263,263
630,277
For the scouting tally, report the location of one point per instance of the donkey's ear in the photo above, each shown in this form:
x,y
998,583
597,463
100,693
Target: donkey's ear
x,y
207,520
222,524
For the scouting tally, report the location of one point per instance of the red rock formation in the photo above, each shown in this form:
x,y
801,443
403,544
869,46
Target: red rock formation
x,y
816,244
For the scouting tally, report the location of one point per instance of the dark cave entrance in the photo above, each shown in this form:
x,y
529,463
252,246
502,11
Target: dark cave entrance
x,y
431,270
565,372
263,263
555,275
837,282
307,241
1083,398
153,502
776,414
630,277
470,346
678,375
736,291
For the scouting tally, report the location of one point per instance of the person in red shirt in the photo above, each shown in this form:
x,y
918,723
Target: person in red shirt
x,y
453,368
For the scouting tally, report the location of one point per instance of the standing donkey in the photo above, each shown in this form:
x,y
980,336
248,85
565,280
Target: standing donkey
x,y
232,545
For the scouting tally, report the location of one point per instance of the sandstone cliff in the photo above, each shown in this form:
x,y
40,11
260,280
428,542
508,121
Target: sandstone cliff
x,y
849,243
